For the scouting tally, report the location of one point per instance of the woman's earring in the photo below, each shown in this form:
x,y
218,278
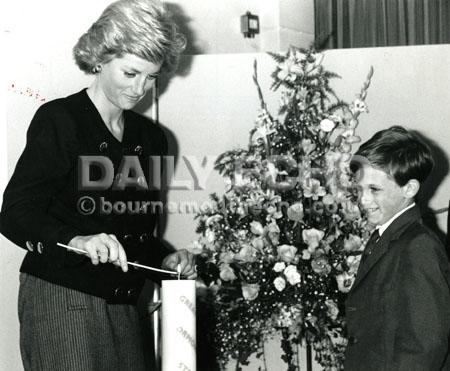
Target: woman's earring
x,y
97,69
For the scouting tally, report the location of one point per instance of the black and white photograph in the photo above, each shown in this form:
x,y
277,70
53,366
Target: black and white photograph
x,y
244,185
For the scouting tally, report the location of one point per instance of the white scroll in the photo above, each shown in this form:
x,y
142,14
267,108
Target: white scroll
x,y
178,325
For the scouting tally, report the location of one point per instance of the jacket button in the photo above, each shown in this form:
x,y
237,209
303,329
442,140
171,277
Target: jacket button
x,y
127,237
119,291
130,293
30,246
103,146
143,237
40,247
352,340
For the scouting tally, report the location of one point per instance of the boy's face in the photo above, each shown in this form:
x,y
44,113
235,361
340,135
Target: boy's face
x,y
380,196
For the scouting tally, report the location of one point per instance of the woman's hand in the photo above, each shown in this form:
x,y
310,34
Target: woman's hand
x,y
102,248
186,261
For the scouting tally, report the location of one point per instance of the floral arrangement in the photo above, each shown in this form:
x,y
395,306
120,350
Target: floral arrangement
x,y
282,246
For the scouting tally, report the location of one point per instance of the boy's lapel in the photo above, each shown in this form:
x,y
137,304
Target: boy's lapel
x,y
382,246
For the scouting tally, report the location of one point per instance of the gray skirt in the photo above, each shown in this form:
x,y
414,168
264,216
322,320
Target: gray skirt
x,y
64,329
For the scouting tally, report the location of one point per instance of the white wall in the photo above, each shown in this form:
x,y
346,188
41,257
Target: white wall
x,y
213,26
210,109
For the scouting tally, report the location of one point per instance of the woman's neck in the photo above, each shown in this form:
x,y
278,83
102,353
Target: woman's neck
x,y
111,115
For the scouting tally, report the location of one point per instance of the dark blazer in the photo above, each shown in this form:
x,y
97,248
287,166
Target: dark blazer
x,y
42,203
398,310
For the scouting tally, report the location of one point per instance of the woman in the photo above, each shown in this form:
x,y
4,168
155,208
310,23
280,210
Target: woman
x,y
84,180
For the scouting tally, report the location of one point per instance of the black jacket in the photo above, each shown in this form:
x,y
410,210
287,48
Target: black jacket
x,y
398,309
46,200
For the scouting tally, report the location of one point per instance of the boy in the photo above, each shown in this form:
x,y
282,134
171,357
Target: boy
x,y
398,310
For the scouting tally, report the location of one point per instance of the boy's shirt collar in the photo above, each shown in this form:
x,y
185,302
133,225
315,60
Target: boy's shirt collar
x,y
385,226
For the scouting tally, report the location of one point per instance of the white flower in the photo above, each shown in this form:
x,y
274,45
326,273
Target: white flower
x,y
250,291
226,257
312,238
292,274
213,219
312,188
353,262
295,212
279,283
279,267
327,125
227,273
210,236
358,105
256,228
286,252
352,243
306,254
273,232
248,254
258,243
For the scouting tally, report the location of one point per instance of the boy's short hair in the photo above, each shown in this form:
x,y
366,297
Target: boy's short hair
x,y
398,152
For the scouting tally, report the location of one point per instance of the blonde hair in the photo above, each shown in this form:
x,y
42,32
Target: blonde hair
x,y
144,28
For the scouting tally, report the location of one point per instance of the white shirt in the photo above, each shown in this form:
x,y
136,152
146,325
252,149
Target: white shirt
x,y
384,226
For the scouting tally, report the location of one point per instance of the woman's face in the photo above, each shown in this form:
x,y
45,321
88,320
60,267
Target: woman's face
x,y
125,80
